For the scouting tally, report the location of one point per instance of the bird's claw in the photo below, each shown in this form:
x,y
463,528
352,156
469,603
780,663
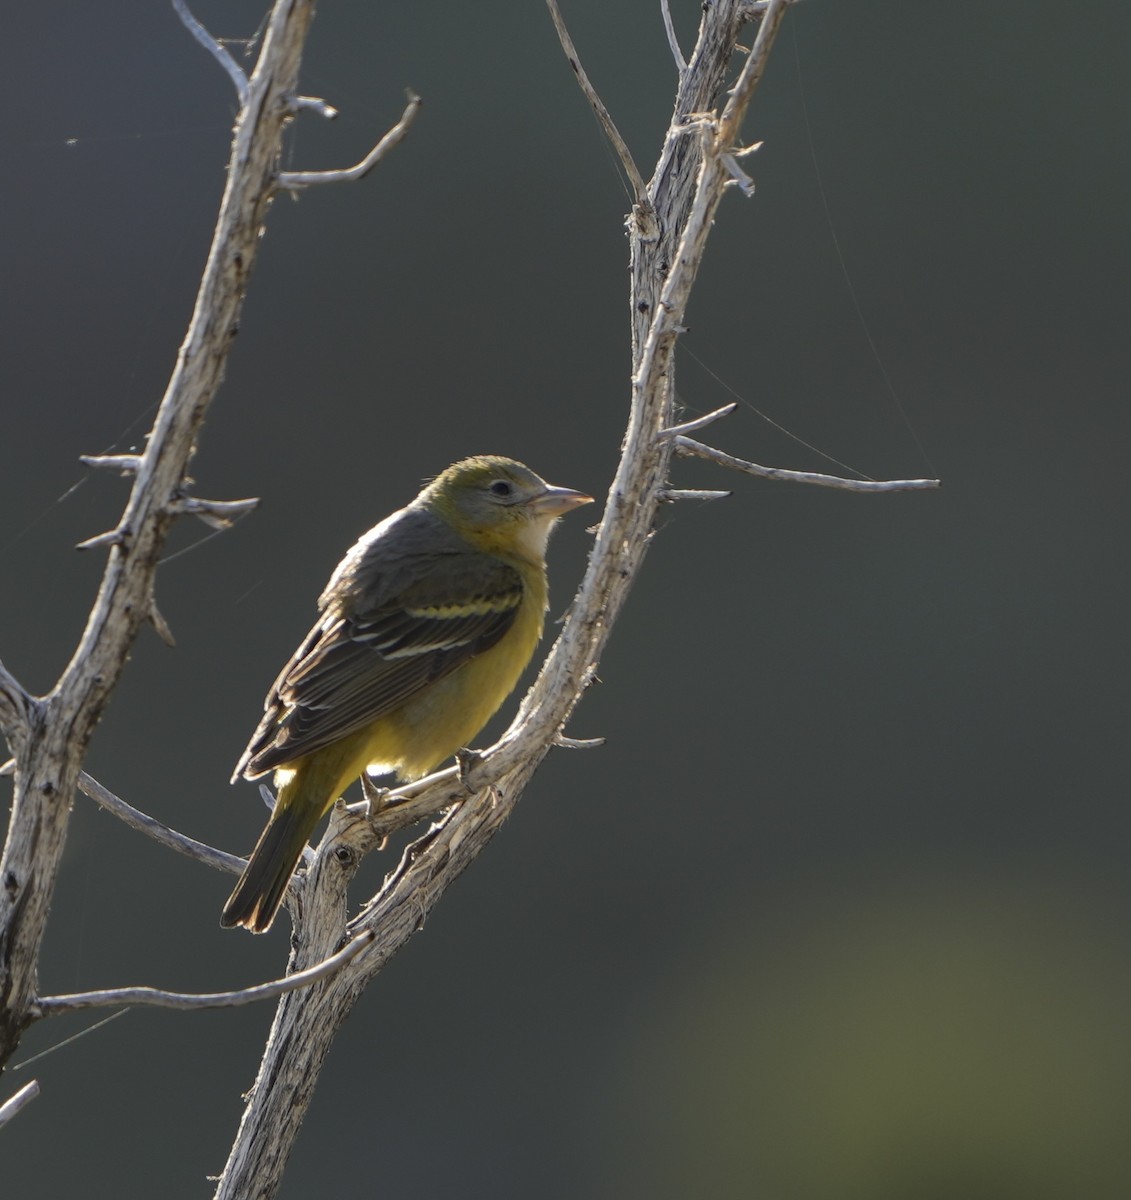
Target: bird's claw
x,y
465,760
371,806
375,796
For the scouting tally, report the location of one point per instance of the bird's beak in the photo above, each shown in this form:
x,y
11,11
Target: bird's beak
x,y
557,500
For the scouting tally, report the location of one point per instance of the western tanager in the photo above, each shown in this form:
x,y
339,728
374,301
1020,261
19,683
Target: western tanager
x,y
425,627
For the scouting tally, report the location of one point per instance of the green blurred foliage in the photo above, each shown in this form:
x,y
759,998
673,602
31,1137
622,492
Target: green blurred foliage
x,y
933,1038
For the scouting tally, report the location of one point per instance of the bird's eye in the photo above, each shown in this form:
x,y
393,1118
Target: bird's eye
x,y
501,488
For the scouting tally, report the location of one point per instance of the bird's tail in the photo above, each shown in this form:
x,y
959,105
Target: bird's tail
x,y
263,884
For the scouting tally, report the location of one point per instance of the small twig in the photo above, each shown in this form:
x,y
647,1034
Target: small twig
x,y
737,175
218,51
673,41
50,1006
644,211
751,75
153,828
112,537
755,8
669,495
15,710
216,514
702,422
128,464
692,449
157,620
9,684
20,1100
569,743
314,104
296,180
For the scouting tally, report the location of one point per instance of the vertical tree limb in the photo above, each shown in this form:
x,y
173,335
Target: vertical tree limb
x,y
48,758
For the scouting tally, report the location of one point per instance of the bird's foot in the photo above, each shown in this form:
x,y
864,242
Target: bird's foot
x,y
372,805
465,760
375,796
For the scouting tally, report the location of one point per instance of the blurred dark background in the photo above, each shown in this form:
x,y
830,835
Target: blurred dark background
x,y
841,908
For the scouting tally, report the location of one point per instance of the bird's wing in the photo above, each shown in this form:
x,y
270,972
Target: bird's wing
x,y
403,617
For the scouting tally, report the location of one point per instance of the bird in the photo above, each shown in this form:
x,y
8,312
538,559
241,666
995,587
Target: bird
x,y
423,631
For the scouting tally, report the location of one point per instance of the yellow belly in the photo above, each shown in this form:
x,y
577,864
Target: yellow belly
x,y
452,711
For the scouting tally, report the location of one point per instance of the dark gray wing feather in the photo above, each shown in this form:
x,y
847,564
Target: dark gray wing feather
x,y
406,606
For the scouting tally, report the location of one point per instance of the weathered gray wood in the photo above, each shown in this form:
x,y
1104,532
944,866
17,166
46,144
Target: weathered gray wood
x,y
49,737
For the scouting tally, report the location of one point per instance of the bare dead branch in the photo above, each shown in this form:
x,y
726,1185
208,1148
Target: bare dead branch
x,y
16,708
738,176
751,75
314,104
674,431
128,464
569,743
643,205
216,514
158,831
297,180
19,1101
49,761
755,8
671,495
112,537
673,41
216,49
157,620
52,1006
692,449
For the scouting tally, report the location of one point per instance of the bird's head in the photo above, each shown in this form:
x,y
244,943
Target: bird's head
x,y
500,505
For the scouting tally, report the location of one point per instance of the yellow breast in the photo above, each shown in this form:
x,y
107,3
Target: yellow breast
x,y
449,714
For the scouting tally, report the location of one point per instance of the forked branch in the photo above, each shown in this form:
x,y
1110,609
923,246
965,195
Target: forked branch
x,y
642,203
693,449
295,181
217,49
49,736
129,997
